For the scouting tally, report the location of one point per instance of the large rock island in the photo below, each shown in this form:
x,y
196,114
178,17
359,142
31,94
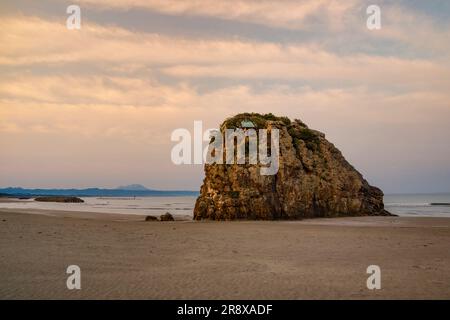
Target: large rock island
x,y
313,180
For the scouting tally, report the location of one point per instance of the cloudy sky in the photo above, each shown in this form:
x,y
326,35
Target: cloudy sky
x,y
96,106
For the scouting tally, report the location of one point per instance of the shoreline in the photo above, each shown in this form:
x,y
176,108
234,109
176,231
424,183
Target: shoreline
x,y
308,259
368,221
86,214
336,221
156,206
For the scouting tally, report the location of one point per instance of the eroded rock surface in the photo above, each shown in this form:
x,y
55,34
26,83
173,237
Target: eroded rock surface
x,y
313,180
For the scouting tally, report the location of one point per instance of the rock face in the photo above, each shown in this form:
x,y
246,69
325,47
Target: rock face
x,y
313,180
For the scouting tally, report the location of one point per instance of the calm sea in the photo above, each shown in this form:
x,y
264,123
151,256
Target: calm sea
x,y
424,205
419,205
122,205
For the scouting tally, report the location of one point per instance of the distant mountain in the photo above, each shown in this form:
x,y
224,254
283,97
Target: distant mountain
x,y
95,192
133,187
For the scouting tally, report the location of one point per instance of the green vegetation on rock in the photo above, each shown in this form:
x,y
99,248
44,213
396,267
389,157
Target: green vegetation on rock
x,y
310,138
260,121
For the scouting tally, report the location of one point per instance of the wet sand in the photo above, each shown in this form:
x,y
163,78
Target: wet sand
x,y
125,257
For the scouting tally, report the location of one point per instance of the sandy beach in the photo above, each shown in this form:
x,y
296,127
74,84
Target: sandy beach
x,y
125,257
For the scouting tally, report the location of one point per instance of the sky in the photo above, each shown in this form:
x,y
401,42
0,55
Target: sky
x,y
97,106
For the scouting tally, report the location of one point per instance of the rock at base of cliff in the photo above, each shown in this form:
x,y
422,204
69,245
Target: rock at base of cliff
x,y
166,217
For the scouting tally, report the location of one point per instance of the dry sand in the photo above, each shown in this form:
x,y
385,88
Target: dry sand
x,y
125,257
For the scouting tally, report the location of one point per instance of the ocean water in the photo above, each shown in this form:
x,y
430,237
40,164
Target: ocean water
x,y
180,206
418,205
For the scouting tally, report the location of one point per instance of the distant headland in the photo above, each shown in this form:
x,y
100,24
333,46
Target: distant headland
x,y
134,190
